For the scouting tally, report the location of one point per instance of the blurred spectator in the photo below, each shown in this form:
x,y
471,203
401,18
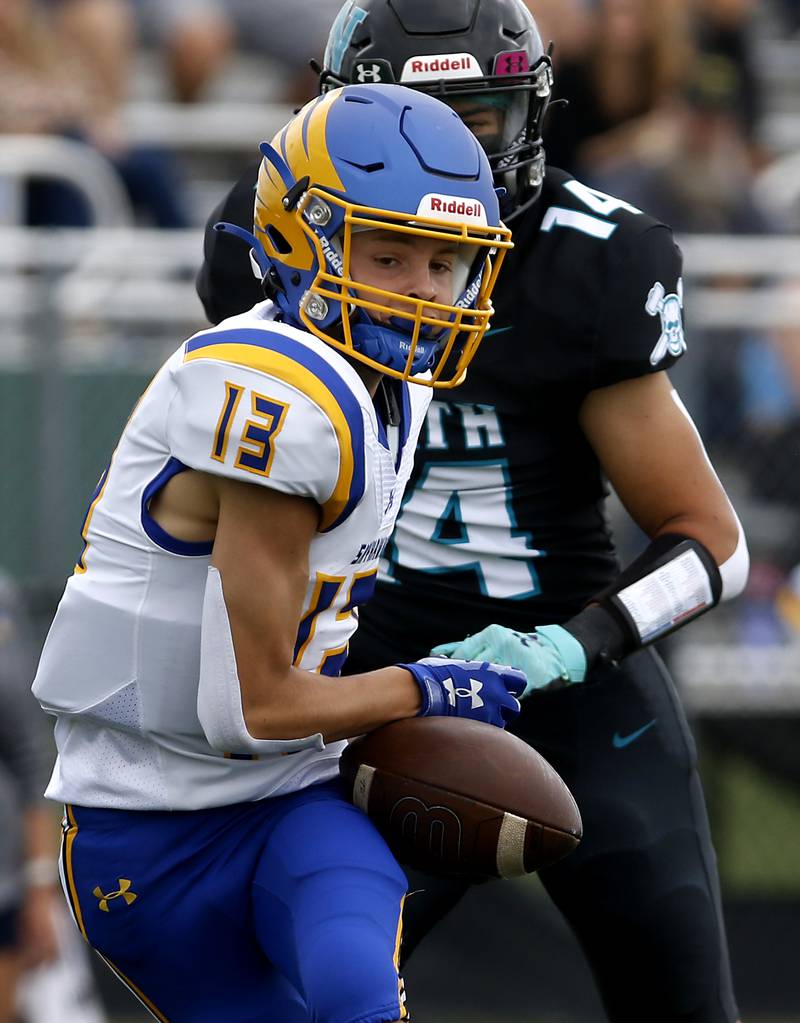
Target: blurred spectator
x,y
63,71
103,33
28,876
724,28
566,23
788,602
198,36
791,14
770,373
694,172
44,967
636,58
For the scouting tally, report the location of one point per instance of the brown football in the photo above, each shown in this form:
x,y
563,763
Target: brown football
x,y
459,797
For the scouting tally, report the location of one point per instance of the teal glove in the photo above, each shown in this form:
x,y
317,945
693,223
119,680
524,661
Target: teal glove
x,y
550,656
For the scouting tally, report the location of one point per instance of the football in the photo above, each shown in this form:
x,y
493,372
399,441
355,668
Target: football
x,y
461,798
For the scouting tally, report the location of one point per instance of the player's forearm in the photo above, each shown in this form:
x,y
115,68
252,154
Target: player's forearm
x,y
302,703
280,701
251,699
718,531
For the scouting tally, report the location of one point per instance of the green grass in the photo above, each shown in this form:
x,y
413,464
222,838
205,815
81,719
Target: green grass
x,y
756,822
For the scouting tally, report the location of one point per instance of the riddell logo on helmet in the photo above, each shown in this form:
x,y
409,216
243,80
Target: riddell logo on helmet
x,y
453,207
332,256
436,66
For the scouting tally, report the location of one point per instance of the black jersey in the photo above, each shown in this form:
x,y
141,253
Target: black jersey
x,y
503,516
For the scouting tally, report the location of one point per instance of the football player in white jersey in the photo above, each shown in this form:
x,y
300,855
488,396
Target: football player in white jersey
x,y
210,855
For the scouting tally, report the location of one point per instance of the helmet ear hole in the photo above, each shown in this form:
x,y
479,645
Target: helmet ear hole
x,y
279,242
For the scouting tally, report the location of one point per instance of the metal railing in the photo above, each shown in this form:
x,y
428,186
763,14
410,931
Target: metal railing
x,y
215,127
128,276
239,126
27,157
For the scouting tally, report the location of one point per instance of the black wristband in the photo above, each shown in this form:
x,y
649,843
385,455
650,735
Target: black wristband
x,y
657,553
608,628
602,634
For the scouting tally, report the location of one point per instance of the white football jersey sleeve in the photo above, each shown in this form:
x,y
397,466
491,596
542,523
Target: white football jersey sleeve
x,y
264,403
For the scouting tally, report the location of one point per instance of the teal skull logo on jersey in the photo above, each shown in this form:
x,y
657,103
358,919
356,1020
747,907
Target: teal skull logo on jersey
x,y
670,309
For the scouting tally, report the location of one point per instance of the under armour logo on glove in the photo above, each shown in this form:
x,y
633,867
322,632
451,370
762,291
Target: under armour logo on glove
x,y
464,694
468,689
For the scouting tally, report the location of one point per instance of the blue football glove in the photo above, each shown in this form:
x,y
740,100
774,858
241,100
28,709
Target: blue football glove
x,y
468,689
550,656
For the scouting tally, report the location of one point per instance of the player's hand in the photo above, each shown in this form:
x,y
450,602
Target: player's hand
x,y
550,656
468,689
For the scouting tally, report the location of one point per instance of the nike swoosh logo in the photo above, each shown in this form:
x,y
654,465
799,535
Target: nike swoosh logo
x,y
621,741
498,330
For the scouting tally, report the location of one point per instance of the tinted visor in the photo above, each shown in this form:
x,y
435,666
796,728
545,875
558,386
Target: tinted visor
x,y
496,119
504,112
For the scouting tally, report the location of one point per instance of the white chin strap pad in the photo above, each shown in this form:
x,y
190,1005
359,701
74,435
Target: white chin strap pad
x,y
219,700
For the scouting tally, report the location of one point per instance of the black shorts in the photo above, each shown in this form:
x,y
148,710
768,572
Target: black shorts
x,y
641,892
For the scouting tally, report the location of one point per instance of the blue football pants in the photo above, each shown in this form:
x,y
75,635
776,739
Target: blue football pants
x,y
285,910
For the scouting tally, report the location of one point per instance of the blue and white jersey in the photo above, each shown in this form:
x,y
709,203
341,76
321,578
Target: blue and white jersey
x,y
254,400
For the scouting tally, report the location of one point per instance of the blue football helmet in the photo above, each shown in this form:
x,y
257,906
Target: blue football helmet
x,y
382,158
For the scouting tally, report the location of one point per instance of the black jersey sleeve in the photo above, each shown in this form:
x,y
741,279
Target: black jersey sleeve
x,y
225,282
640,326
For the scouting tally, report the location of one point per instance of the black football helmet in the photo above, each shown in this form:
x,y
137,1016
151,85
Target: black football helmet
x,y
485,51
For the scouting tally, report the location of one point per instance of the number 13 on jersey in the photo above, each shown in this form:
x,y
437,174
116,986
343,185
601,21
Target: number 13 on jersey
x,y
255,446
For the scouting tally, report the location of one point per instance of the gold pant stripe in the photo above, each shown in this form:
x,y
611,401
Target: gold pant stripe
x,y
396,959
154,1012
72,892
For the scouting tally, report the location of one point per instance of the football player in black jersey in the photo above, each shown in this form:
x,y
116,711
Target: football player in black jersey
x,y
502,549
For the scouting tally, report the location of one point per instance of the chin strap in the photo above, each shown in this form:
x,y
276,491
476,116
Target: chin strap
x,y
390,343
